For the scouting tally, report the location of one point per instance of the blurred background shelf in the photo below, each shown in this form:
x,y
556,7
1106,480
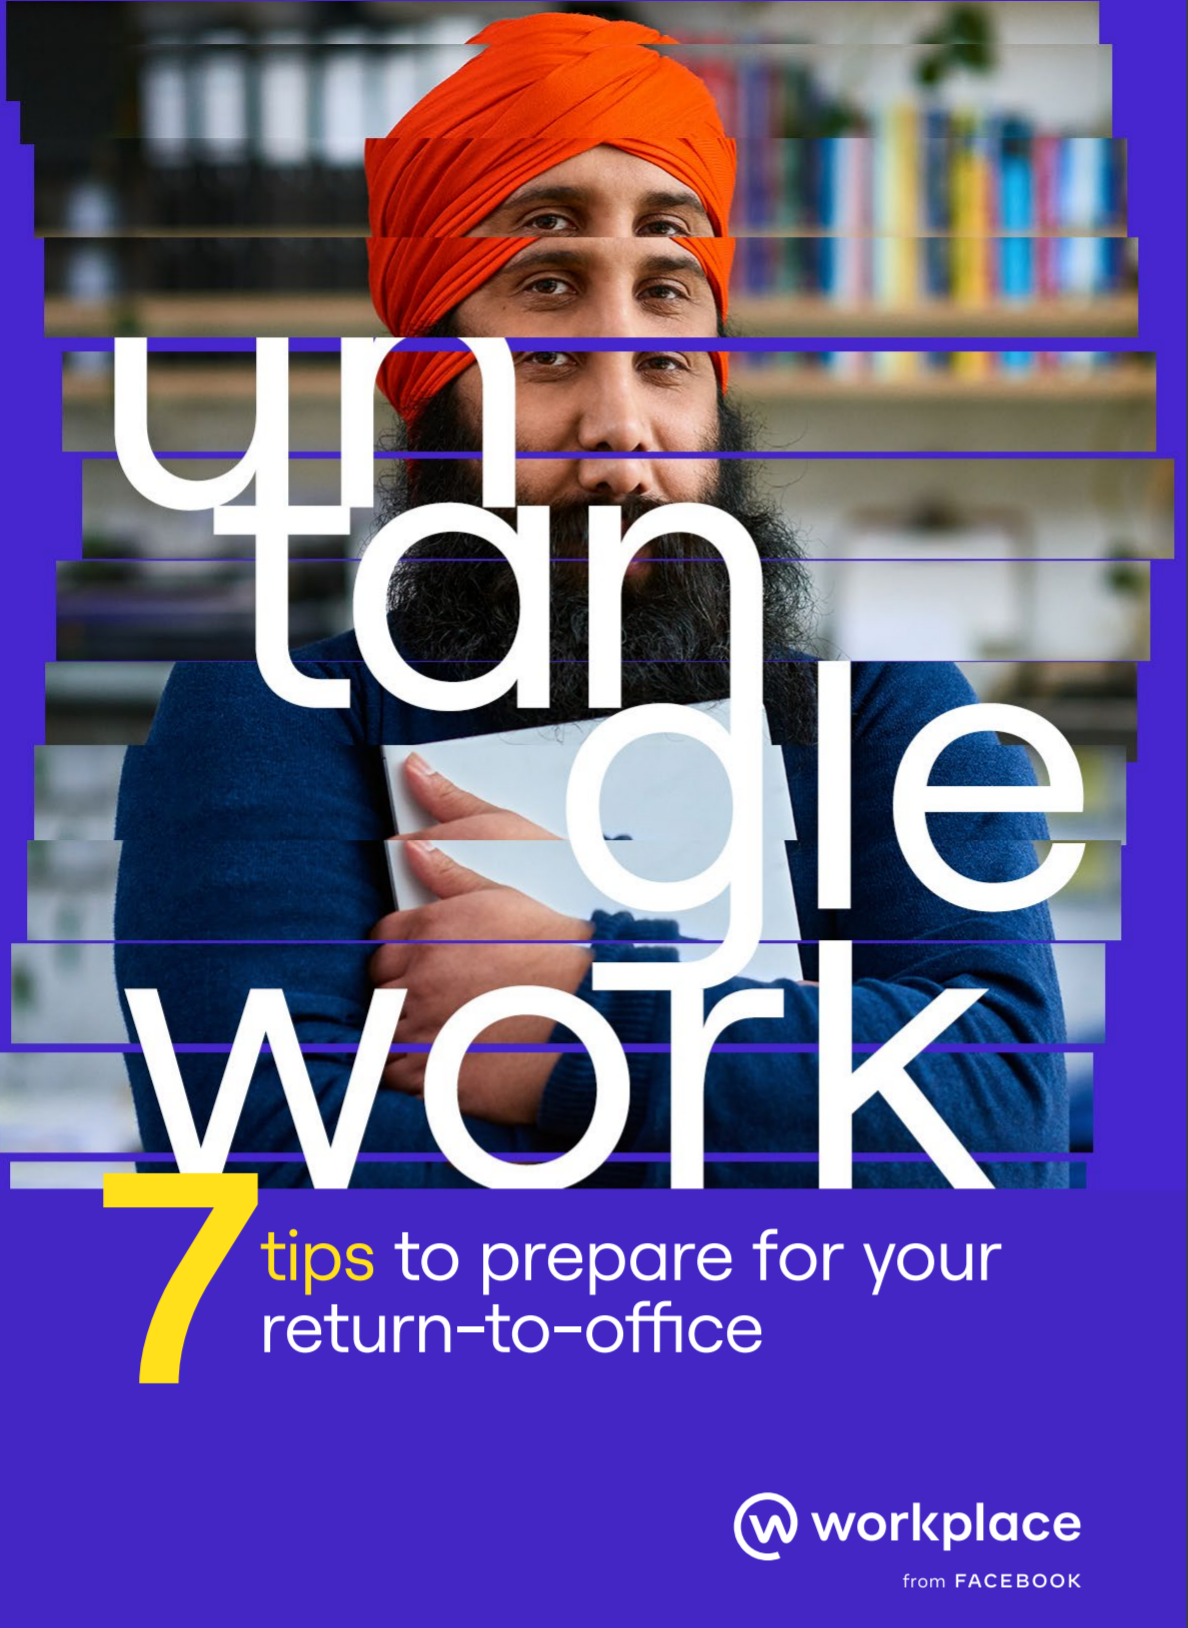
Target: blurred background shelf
x,y
59,233
215,316
1121,384
351,315
1109,317
320,382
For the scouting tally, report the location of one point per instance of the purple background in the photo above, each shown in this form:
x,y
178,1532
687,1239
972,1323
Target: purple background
x,y
579,1486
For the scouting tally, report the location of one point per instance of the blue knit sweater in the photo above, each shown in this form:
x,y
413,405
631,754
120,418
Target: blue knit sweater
x,y
252,830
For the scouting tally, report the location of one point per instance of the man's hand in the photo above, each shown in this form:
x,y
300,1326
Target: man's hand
x,y
442,976
456,814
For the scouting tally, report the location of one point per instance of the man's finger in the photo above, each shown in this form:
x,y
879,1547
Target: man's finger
x,y
396,926
405,1072
389,964
441,797
442,874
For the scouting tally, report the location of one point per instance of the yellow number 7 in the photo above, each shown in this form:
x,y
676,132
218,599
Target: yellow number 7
x,y
230,1200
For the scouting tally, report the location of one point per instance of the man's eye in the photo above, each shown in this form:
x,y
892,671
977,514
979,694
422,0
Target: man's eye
x,y
662,228
546,358
662,292
549,286
548,221
663,362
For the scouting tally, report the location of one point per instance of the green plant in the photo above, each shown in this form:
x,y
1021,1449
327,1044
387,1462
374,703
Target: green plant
x,y
963,39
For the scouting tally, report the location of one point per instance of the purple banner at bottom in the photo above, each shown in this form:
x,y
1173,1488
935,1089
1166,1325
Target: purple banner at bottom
x,y
921,1393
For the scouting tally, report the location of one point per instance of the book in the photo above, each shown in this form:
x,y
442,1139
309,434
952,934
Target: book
x,y
665,795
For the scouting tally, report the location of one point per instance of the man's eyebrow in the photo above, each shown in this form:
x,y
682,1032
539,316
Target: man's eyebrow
x,y
674,200
549,252
545,193
545,252
656,264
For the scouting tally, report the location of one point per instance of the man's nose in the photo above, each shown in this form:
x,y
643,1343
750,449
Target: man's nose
x,y
612,419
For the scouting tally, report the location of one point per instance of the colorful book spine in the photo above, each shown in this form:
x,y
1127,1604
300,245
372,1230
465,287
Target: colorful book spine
x,y
852,219
937,204
1016,210
907,209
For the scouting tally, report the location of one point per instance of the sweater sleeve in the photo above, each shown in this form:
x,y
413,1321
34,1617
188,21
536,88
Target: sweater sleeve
x,y
251,857
909,945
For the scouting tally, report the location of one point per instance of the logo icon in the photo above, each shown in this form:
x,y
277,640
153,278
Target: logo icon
x,y
784,1530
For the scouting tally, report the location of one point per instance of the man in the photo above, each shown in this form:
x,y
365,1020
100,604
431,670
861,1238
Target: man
x,y
523,197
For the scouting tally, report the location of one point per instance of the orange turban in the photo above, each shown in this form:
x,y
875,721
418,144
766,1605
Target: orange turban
x,y
544,89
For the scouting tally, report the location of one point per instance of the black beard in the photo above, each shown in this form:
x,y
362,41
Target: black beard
x,y
454,605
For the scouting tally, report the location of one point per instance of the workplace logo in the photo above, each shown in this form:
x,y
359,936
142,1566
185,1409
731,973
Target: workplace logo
x,y
778,1524
775,1525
